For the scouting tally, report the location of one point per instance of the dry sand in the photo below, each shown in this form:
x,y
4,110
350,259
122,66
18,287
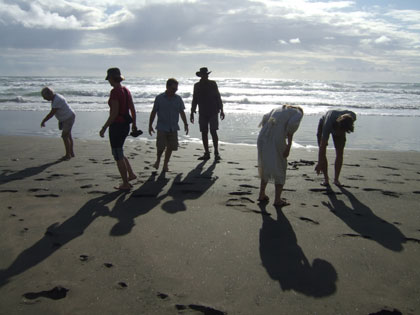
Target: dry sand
x,y
195,241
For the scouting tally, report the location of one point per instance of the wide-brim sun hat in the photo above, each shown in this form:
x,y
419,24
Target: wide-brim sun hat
x,y
114,73
203,71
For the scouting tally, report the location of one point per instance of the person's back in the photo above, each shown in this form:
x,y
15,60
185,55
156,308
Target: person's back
x,y
207,96
64,111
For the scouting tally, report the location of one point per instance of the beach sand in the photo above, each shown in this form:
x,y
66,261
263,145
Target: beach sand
x,y
195,241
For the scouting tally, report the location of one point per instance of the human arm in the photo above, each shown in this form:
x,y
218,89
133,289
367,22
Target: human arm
x,y
113,114
194,104
49,116
286,151
151,119
184,119
132,110
219,102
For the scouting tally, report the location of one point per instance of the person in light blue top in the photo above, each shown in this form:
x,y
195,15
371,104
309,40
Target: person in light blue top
x,y
168,106
336,123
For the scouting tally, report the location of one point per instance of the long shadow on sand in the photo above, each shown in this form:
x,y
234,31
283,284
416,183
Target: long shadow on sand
x,y
361,219
27,172
285,261
140,202
58,235
191,187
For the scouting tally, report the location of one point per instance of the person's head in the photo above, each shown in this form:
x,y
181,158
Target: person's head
x,y
171,86
114,74
346,123
47,93
295,107
203,73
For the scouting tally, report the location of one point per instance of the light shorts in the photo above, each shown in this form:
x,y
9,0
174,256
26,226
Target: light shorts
x,y
66,126
167,140
339,141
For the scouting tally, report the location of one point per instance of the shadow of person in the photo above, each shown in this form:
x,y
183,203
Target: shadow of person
x,y
58,235
362,220
191,187
286,263
27,172
140,202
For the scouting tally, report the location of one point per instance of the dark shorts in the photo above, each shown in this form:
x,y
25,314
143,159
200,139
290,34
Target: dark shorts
x,y
117,134
339,141
205,120
167,140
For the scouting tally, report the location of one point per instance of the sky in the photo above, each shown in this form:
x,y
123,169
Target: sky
x,y
283,39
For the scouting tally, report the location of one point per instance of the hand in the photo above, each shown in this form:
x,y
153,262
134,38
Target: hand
x,y
319,169
222,115
151,130
192,118
186,128
133,127
42,124
286,152
102,132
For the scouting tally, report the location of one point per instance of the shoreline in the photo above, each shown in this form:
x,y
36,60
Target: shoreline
x,y
195,239
371,132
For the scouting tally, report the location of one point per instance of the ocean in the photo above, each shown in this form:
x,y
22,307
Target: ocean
x,y
388,113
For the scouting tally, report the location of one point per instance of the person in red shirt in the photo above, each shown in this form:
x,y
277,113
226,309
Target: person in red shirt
x,y
120,104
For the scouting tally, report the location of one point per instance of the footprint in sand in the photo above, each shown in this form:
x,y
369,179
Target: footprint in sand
x,y
199,308
122,285
309,220
47,195
354,235
56,293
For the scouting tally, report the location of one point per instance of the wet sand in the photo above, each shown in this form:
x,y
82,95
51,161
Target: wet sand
x,y
195,241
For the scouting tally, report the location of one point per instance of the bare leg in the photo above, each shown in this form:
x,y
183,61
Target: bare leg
x,y
215,139
326,179
338,164
262,195
67,147
205,138
122,168
277,200
166,161
130,173
71,145
159,155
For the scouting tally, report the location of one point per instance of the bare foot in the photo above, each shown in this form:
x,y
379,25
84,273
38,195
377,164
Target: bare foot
x,y
325,184
263,198
132,177
165,168
337,183
123,187
156,165
65,158
281,203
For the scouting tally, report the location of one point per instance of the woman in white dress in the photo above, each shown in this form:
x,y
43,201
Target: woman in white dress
x,y
277,126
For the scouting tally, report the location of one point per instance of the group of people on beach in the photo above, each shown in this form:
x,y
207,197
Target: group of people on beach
x,y
274,140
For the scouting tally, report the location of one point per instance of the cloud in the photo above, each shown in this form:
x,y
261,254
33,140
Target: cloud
x,y
238,35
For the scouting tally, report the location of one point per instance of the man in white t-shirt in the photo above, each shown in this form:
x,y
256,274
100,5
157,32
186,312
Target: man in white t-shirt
x,y
65,117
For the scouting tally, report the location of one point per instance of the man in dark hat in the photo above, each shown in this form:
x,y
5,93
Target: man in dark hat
x,y
207,97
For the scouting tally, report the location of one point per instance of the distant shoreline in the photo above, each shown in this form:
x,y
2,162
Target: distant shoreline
x,y
384,133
